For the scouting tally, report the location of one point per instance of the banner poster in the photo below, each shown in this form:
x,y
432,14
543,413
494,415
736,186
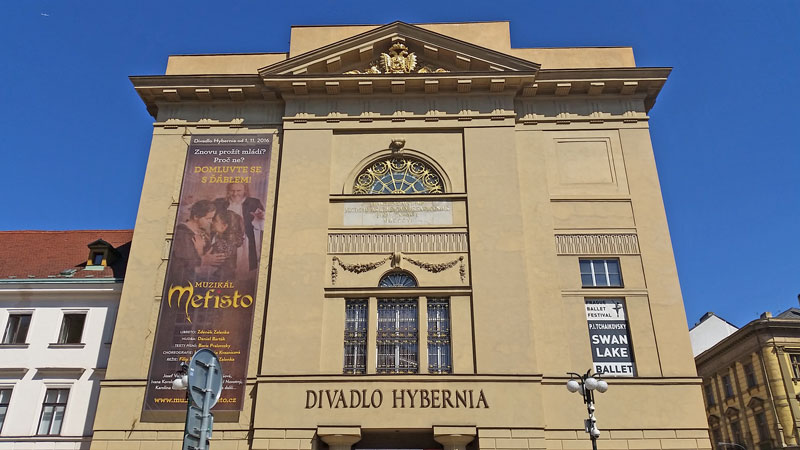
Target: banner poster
x,y
610,338
209,289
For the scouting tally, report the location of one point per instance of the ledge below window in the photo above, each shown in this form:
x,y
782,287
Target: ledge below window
x,y
14,345
57,345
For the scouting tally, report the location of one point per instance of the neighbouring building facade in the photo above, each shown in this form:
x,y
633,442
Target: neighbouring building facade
x,y
751,384
708,331
59,292
404,236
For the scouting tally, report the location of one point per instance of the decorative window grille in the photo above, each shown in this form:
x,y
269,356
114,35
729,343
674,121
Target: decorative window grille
x,y
600,273
355,337
398,175
5,399
397,279
439,336
55,403
397,336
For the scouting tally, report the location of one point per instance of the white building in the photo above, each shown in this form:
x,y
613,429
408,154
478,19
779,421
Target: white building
x,y
708,331
59,292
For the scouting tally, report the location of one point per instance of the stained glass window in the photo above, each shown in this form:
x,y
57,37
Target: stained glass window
x,y
398,175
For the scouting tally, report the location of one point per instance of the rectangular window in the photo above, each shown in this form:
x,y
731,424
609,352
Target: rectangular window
x,y
600,273
750,375
717,436
397,336
709,395
72,329
439,336
727,386
17,328
97,258
55,403
736,433
795,359
355,337
761,426
5,399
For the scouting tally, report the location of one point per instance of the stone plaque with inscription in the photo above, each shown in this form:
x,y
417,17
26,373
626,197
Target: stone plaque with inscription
x,y
398,213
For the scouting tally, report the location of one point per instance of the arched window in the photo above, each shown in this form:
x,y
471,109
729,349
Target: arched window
x,y
397,279
398,175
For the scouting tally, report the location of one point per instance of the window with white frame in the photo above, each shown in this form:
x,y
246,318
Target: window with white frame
x,y
17,328
5,399
53,409
600,273
72,328
355,336
439,336
397,336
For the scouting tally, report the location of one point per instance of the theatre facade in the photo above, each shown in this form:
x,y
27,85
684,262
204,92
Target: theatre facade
x,y
404,236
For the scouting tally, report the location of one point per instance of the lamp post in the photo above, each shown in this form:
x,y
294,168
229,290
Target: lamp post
x,y
586,384
732,444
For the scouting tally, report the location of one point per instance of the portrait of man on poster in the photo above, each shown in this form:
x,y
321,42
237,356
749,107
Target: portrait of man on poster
x,y
239,201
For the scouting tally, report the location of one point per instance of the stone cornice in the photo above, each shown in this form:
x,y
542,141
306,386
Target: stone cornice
x,y
644,83
453,82
203,88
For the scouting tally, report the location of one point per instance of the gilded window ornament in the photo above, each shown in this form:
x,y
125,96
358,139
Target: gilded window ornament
x,y
398,175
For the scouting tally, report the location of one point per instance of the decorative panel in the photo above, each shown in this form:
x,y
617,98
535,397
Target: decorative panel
x,y
397,242
597,244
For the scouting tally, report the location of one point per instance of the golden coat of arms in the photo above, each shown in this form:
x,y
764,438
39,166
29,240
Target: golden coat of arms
x,y
398,60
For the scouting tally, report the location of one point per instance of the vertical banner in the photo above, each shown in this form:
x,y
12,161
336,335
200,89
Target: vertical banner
x,y
610,338
208,299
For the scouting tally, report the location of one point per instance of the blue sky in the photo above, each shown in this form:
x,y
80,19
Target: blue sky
x,y
75,135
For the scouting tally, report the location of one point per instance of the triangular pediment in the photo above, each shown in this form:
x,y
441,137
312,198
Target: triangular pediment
x,y
399,49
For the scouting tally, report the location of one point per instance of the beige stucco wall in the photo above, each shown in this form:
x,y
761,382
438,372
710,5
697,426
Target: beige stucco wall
x,y
517,306
491,35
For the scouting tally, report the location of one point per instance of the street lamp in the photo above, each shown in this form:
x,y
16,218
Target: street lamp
x,y
586,384
181,381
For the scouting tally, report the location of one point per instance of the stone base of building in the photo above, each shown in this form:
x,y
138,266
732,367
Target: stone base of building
x,y
448,438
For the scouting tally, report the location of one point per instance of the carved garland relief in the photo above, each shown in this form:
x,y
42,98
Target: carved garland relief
x,y
395,258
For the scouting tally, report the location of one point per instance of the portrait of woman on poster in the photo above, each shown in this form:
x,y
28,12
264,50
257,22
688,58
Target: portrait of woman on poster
x,y
191,242
227,236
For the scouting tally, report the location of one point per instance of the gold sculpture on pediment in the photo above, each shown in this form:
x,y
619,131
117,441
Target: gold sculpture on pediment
x,y
398,60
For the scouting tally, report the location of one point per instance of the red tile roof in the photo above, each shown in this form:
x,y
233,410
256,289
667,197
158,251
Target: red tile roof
x,y
48,254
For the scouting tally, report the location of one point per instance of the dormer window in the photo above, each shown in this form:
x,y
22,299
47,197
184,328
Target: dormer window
x,y
101,254
97,258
